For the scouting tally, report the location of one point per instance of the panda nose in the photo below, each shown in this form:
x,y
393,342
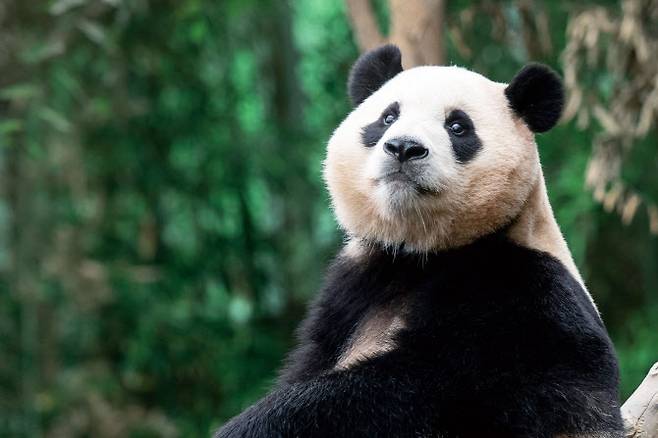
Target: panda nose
x,y
404,149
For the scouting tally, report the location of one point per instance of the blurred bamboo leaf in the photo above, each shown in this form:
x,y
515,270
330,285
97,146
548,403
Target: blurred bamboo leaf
x,y
60,7
55,119
19,92
9,126
93,31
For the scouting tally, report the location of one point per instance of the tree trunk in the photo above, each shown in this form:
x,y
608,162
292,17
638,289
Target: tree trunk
x,y
364,24
416,28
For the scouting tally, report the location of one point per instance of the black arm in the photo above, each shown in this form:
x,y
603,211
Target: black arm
x,y
358,403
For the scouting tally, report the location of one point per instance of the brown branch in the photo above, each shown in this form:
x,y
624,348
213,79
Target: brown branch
x,y
534,29
640,411
364,24
416,27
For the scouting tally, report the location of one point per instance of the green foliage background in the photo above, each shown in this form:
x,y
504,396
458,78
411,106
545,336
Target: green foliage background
x,y
162,216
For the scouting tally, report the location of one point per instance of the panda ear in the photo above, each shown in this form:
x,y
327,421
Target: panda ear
x,y
372,70
536,95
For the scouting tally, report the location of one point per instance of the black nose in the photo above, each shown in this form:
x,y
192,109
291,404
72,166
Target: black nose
x,y
404,149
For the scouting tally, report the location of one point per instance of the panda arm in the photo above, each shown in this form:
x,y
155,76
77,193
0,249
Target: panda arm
x,y
571,384
543,364
357,403
590,370
566,409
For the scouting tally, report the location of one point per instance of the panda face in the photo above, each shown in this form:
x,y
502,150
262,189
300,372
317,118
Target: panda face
x,y
434,158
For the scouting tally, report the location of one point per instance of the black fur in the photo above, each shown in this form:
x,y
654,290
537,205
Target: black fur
x,y
372,70
536,95
500,341
371,133
467,144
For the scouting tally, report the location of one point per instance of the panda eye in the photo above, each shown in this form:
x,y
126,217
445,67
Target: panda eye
x,y
389,119
457,128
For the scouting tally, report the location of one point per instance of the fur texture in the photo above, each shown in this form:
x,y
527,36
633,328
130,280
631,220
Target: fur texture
x,y
373,132
464,139
498,341
372,70
537,96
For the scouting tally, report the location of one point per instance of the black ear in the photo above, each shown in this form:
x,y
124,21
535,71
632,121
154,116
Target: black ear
x,y
536,95
372,70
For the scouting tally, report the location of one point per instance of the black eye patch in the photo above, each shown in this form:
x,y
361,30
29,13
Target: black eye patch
x,y
465,142
371,133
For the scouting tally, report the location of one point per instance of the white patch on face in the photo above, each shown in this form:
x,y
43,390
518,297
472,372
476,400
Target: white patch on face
x,y
400,187
434,202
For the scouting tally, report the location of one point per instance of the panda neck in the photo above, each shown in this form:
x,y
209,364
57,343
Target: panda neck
x,y
536,228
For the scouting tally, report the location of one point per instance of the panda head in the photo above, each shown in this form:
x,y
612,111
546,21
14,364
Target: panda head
x,y
434,157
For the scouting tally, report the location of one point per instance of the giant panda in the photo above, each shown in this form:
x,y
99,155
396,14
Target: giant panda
x,y
455,308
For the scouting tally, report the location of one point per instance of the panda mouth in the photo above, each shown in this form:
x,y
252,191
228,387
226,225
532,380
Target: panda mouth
x,y
401,177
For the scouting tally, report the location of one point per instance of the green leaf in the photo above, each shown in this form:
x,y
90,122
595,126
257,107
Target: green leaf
x,y
54,119
9,126
93,31
21,91
62,6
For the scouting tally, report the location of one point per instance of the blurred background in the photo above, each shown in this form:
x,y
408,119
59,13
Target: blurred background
x,y
163,221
